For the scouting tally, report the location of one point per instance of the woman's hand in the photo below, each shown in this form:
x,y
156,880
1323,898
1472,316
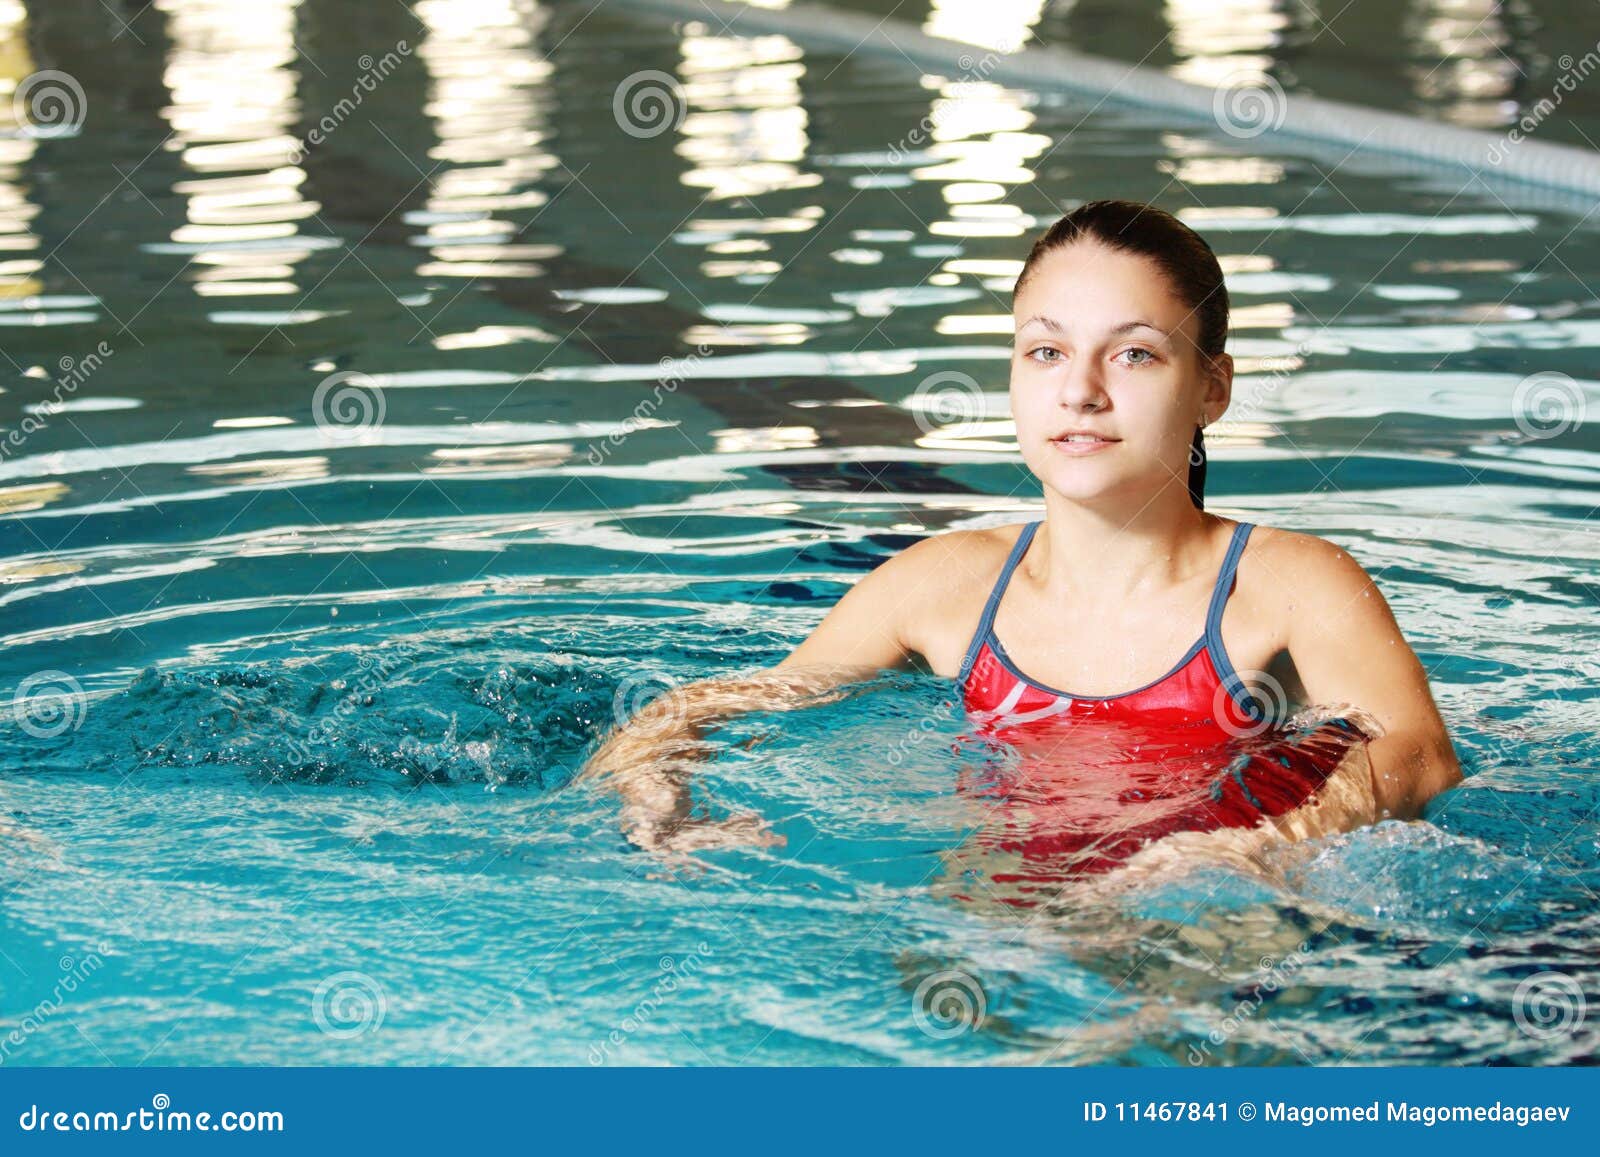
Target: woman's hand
x,y
1348,649
696,833
650,758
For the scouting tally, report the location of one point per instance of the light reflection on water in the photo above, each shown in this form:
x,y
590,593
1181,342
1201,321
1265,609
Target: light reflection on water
x,y
639,405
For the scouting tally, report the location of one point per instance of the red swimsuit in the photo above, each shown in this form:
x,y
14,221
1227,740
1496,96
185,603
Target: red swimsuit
x,y
1189,697
1103,775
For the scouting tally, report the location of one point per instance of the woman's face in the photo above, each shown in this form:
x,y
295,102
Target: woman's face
x,y
1104,348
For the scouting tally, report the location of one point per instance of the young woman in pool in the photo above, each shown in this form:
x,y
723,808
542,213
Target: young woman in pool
x,y
1118,364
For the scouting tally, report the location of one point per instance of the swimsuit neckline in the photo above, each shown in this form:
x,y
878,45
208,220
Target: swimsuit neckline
x,y
1210,638
1010,665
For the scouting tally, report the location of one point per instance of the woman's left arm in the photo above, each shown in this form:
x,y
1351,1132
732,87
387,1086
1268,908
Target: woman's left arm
x,y
1348,650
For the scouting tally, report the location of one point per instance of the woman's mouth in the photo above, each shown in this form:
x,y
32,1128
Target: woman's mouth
x,y
1078,443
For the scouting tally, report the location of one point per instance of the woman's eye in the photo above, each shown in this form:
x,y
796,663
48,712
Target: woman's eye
x,y
1145,360
1045,350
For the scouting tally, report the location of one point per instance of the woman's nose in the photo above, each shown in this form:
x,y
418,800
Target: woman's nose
x,y
1082,387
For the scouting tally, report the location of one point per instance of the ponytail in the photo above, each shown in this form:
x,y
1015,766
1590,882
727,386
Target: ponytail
x,y
1197,469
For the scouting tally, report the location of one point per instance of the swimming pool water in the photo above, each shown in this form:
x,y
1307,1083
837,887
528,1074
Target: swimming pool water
x,y
299,664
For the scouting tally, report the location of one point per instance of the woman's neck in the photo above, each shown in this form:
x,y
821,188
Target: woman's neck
x,y
1094,551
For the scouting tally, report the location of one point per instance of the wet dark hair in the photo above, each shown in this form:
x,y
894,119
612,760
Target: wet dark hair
x,y
1178,251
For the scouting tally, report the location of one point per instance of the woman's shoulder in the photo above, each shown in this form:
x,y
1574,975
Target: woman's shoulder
x,y
968,554
938,575
939,585
1301,568
1294,547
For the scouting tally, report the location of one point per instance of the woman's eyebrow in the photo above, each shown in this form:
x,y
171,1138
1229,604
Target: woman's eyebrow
x,y
1130,325
1056,327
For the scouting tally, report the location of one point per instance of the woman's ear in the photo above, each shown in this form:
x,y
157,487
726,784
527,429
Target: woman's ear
x,y
1219,386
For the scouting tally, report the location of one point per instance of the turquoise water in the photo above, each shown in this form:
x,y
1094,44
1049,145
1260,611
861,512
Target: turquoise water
x,y
297,677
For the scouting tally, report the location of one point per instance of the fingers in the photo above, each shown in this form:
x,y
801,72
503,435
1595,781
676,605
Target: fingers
x,y
745,829
673,865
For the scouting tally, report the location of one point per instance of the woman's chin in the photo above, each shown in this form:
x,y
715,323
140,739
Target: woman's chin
x,y
1082,481
1095,480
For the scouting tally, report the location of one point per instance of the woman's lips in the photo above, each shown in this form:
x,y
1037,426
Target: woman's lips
x,y
1079,447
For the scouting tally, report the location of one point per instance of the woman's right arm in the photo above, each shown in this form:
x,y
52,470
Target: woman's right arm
x,y
649,757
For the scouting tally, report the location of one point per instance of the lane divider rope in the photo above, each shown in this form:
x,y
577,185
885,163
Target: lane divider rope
x,y
1036,66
